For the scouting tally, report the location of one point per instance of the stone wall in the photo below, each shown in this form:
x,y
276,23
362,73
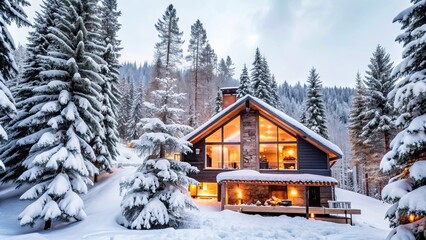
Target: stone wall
x,y
249,140
251,193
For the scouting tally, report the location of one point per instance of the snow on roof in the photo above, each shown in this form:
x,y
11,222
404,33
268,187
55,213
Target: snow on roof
x,y
252,175
300,127
224,88
284,117
214,118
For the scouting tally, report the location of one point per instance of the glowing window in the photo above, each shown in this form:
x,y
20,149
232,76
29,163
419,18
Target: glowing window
x,y
277,148
215,137
231,131
267,131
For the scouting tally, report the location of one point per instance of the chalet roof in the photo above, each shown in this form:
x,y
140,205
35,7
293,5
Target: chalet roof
x,y
286,121
256,177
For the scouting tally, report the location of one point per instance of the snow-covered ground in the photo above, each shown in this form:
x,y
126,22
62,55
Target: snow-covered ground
x,y
103,206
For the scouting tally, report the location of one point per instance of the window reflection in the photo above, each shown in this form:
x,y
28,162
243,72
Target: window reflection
x,y
231,131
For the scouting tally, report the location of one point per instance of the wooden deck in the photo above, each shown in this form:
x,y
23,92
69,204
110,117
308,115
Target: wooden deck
x,y
326,214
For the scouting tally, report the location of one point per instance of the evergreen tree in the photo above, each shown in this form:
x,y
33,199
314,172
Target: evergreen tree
x,y
230,68
361,152
197,43
222,70
407,191
156,195
274,92
303,118
314,106
379,112
60,162
107,147
218,102
260,78
14,151
126,102
357,121
136,114
10,11
169,49
245,85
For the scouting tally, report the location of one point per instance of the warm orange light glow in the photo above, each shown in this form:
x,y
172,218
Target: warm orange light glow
x,y
412,217
291,152
204,187
312,215
239,194
293,192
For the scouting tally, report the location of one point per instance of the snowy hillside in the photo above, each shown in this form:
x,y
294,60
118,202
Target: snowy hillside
x,y
103,205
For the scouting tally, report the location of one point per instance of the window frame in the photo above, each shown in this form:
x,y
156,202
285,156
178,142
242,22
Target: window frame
x,y
222,144
278,143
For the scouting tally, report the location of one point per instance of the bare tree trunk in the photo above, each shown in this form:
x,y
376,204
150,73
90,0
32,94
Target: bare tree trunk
x,y
387,141
47,224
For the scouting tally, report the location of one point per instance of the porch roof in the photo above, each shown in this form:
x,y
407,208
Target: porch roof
x,y
252,176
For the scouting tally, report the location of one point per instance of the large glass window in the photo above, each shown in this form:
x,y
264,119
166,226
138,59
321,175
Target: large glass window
x,y
277,148
231,131
223,147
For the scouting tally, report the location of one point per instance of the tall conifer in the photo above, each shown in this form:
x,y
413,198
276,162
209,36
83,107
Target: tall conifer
x,y
315,109
407,158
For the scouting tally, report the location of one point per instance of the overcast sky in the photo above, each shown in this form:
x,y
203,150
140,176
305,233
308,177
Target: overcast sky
x,y
336,37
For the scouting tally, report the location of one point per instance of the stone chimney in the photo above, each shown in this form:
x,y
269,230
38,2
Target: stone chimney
x,y
229,96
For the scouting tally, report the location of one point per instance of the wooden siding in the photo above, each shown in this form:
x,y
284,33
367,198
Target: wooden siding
x,y
310,157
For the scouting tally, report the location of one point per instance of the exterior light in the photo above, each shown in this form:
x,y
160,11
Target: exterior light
x,y
293,192
239,196
411,218
197,151
312,215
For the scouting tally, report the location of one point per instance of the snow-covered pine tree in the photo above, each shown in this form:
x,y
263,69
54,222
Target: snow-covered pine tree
x,y
379,112
169,48
218,101
136,114
156,196
10,11
106,147
60,161
126,101
407,157
230,68
360,150
274,92
13,151
261,78
303,118
245,84
314,105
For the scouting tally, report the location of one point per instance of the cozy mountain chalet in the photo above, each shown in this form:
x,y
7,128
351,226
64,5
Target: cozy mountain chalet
x,y
289,163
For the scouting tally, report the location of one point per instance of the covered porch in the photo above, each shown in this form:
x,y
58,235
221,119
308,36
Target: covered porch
x,y
306,195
